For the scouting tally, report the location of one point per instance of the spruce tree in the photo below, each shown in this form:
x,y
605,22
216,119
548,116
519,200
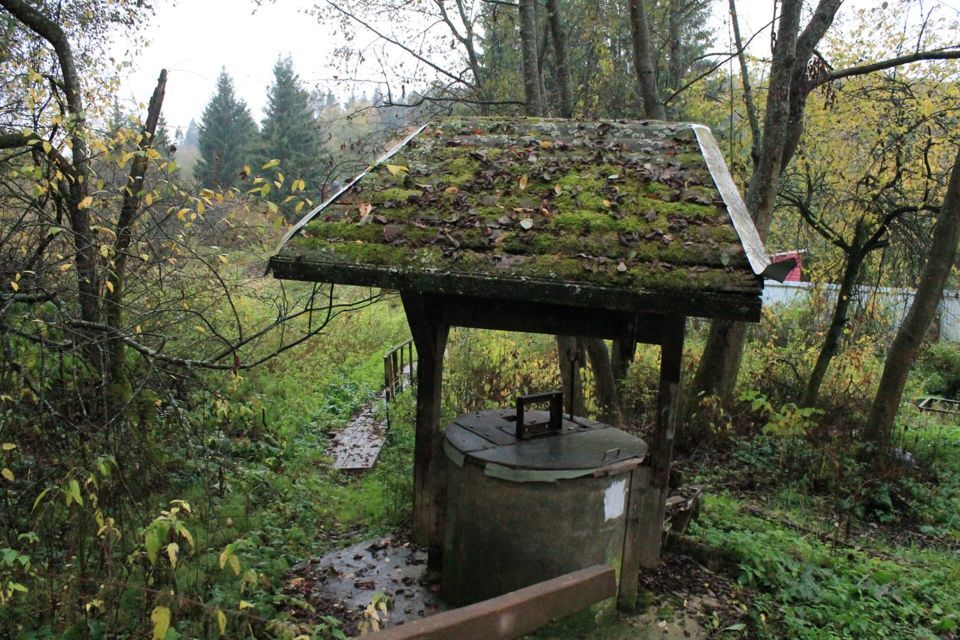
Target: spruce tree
x,y
291,134
226,136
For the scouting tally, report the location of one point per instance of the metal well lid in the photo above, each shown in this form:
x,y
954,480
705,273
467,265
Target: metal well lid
x,y
579,447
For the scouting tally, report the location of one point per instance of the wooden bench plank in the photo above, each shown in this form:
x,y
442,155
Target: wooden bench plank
x,y
513,614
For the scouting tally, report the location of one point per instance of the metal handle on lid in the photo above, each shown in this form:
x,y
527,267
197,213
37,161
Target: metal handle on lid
x,y
555,423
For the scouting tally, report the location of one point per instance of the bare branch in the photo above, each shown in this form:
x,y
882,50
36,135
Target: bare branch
x,y
864,69
419,56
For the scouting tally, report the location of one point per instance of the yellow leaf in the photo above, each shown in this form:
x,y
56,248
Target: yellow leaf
x,y
104,250
451,190
14,286
607,204
186,535
223,557
6,473
546,144
172,550
557,189
160,617
182,214
65,267
223,258
270,165
8,446
523,183
299,207
397,169
85,203
148,198
109,286
245,605
222,621
235,565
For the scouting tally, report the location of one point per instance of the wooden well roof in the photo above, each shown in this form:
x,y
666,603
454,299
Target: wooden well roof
x,y
626,216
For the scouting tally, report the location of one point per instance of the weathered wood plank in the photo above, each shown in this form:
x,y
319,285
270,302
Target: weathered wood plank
x,y
630,562
554,319
661,446
357,447
734,303
513,614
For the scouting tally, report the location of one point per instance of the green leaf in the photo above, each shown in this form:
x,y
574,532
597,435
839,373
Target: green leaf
x,y
40,497
72,493
151,542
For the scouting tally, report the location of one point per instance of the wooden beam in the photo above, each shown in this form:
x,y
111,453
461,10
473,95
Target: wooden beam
x,y
513,614
661,447
554,319
741,303
429,462
630,562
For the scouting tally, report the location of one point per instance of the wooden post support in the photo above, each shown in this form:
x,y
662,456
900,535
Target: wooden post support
x,y
429,462
661,449
630,562
513,614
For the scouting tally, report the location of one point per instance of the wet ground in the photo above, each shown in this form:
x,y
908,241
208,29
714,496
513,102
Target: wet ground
x,y
346,583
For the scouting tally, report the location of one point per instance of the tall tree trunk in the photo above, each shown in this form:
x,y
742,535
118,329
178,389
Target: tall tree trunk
x,y
531,72
720,363
675,9
570,355
116,277
903,351
831,344
562,55
747,89
85,244
605,384
652,106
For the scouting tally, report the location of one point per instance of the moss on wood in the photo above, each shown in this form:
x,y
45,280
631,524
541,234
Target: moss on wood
x,y
623,205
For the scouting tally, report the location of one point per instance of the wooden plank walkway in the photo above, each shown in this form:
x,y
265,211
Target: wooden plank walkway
x,y
357,446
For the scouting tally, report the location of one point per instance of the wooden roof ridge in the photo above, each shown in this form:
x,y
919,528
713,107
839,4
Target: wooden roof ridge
x,y
437,224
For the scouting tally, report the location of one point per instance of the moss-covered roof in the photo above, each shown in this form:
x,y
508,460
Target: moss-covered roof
x,y
615,215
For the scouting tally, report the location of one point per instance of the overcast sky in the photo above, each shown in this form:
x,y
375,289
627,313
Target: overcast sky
x,y
195,38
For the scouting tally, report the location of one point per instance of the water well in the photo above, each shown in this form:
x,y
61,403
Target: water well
x,y
532,495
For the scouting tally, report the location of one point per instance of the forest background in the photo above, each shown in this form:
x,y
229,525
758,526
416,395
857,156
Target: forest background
x,y
165,408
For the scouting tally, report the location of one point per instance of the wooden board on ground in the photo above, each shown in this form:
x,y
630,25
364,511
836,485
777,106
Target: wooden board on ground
x,y
356,447
513,614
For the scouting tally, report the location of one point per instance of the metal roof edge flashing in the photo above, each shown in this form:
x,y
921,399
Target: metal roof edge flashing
x,y
386,156
736,208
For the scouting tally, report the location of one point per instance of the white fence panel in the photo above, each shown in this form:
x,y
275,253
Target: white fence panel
x,y
895,301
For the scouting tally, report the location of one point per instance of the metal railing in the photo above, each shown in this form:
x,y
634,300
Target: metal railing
x,y
395,362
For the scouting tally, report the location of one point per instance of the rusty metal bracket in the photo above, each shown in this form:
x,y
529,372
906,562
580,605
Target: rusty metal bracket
x,y
555,423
